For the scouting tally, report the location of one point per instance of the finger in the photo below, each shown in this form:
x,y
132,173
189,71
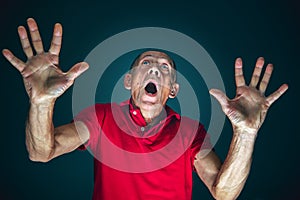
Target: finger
x,y
35,36
16,62
56,40
265,80
220,96
77,69
274,96
25,41
239,77
257,71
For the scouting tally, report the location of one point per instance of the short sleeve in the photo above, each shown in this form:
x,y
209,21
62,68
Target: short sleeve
x,y
201,141
91,117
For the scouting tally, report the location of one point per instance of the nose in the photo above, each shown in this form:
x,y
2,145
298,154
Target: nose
x,y
154,71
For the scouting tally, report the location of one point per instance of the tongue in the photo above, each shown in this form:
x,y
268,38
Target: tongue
x,y
151,88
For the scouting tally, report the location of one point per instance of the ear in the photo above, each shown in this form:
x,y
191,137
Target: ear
x,y
174,90
127,81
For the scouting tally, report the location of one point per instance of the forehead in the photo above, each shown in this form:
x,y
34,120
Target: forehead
x,y
157,55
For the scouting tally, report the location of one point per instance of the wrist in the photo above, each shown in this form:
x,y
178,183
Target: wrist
x,y
42,103
44,99
245,132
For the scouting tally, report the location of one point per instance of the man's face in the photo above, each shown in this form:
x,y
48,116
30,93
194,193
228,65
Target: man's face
x,y
152,80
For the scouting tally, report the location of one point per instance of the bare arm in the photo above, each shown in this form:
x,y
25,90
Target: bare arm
x,y
226,181
246,112
44,83
44,142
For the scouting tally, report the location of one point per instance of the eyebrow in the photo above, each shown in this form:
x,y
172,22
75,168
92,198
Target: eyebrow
x,y
150,55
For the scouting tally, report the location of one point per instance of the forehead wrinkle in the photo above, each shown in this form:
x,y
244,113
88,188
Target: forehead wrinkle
x,y
167,58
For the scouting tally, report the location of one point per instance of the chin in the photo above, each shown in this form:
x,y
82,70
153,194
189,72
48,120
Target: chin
x,y
150,107
151,111
152,103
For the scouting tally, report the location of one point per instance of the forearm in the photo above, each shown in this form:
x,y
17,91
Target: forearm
x,y
40,131
236,167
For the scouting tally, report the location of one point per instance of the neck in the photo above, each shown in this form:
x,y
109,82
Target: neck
x,y
154,117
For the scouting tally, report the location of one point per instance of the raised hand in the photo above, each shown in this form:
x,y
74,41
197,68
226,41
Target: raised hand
x,y
248,109
43,79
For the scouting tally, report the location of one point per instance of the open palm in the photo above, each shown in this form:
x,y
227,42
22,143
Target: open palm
x,y
43,79
248,109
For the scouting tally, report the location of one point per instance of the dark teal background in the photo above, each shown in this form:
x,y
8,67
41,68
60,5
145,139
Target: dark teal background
x,y
225,29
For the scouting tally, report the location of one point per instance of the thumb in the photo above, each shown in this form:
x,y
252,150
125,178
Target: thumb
x,y
220,96
77,69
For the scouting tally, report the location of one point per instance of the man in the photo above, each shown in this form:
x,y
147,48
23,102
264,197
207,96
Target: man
x,y
152,80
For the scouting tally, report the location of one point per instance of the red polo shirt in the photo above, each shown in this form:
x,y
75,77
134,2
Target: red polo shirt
x,y
133,161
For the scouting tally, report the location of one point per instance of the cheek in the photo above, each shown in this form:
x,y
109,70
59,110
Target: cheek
x,y
165,94
135,86
167,83
137,79
136,89
135,92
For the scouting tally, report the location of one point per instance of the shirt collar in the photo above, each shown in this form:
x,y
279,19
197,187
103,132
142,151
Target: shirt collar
x,y
138,118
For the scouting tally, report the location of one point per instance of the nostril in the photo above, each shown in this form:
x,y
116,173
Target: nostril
x,y
154,72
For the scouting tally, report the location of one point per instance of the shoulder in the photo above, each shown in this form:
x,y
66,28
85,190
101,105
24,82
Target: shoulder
x,y
191,125
185,120
97,109
101,106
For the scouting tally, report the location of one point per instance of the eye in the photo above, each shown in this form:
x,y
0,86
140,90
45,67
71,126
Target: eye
x,y
146,62
165,67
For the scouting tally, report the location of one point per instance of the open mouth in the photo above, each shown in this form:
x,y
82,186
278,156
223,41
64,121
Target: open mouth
x,y
151,89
